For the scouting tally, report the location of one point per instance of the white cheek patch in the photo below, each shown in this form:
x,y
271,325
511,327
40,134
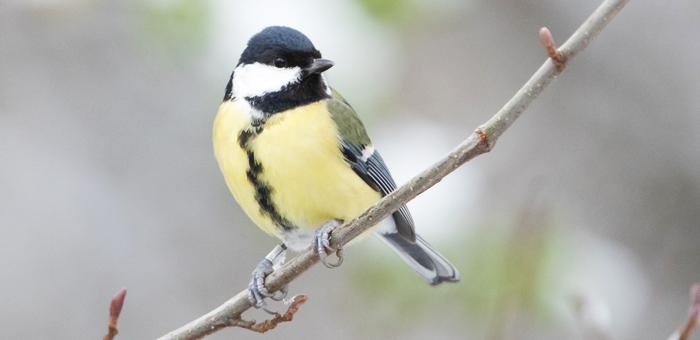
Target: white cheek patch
x,y
254,80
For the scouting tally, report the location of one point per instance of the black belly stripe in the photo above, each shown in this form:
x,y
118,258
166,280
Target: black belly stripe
x,y
263,192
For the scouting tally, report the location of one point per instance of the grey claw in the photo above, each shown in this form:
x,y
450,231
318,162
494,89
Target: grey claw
x,y
323,245
257,292
280,294
337,263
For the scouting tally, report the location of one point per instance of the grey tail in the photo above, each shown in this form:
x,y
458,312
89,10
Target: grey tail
x,y
427,262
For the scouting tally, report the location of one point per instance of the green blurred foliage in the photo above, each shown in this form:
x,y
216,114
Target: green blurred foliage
x,y
179,27
389,11
503,267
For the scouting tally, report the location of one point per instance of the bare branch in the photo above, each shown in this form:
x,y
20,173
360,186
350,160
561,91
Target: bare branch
x,y
479,142
684,332
115,308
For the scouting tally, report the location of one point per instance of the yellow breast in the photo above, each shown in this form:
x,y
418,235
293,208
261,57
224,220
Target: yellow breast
x,y
301,162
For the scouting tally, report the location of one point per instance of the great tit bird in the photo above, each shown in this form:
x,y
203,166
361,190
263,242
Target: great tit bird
x,y
298,160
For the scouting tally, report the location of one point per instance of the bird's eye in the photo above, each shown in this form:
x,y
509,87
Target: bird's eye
x,y
280,62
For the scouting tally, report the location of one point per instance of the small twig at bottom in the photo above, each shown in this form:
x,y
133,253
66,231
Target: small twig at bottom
x,y
686,330
262,327
115,308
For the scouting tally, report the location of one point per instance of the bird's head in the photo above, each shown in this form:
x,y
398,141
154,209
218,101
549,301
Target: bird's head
x,y
279,69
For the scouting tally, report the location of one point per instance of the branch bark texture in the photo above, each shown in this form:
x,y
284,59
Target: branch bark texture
x,y
482,140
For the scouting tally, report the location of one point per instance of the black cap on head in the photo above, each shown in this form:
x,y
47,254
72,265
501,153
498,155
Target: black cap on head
x,y
279,42
289,77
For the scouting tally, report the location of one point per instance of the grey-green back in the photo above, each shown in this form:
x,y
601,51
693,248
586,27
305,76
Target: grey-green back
x,y
372,169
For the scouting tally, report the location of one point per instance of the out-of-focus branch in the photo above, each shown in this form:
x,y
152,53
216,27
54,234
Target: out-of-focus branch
x,y
115,308
480,141
684,332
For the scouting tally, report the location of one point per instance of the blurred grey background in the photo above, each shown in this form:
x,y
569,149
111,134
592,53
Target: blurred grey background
x,y
583,222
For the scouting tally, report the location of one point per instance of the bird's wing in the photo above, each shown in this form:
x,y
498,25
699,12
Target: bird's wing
x,y
365,160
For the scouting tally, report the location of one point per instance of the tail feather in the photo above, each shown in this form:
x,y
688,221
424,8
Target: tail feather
x,y
427,262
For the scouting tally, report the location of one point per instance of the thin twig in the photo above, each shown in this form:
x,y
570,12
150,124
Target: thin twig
x,y
480,141
115,308
262,327
684,332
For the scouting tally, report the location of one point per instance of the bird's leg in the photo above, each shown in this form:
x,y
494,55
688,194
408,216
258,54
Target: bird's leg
x,y
257,292
322,242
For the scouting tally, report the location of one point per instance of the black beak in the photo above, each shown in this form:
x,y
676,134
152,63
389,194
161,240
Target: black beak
x,y
317,66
